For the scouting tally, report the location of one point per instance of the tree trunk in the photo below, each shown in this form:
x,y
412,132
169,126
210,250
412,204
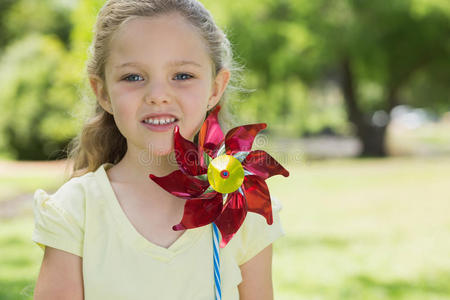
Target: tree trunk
x,y
373,140
371,136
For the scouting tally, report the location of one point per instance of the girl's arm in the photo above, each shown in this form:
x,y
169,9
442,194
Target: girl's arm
x,y
60,277
257,277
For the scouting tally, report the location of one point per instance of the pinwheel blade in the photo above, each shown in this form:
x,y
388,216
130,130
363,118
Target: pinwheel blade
x,y
200,212
232,217
260,163
211,134
258,197
241,138
181,185
187,155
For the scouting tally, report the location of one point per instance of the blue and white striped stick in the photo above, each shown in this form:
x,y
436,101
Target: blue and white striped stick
x,y
217,280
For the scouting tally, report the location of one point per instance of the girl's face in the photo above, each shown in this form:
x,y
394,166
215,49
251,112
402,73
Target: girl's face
x,y
159,69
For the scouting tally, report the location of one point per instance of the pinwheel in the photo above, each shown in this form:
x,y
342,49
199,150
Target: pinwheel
x,y
221,177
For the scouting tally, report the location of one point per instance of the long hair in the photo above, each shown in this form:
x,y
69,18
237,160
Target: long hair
x,y
99,140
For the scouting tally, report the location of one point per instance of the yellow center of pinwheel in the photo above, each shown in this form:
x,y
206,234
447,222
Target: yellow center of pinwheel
x,y
225,174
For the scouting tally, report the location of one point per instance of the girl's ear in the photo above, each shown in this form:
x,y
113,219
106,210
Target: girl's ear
x,y
219,85
99,88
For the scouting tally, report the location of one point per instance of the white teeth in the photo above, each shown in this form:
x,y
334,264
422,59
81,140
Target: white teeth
x,y
160,121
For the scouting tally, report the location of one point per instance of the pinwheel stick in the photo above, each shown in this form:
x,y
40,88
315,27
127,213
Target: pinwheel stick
x,y
217,280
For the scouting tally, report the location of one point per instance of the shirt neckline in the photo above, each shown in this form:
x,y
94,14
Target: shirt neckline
x,y
129,233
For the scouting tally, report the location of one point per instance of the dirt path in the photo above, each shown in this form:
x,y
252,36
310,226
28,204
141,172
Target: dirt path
x,y
16,206
11,168
20,204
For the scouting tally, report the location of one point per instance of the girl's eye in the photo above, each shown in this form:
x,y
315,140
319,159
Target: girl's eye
x,y
133,77
183,76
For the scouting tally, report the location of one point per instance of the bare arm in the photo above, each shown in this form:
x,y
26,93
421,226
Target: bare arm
x,y
257,277
60,276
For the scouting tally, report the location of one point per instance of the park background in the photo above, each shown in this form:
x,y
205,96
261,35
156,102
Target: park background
x,y
356,97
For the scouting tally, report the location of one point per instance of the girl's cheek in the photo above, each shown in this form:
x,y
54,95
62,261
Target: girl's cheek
x,y
123,88
128,95
197,94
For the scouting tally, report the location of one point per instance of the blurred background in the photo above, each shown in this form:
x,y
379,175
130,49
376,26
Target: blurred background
x,y
356,97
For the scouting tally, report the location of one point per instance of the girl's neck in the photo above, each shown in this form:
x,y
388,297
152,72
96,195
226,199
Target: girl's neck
x,y
136,166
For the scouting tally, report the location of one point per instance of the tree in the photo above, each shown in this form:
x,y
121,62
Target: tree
x,y
380,54
20,18
37,102
41,73
384,45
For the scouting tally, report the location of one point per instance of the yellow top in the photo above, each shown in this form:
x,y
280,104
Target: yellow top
x,y
84,218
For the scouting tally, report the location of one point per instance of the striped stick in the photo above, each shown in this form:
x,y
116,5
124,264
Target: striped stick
x,y
217,280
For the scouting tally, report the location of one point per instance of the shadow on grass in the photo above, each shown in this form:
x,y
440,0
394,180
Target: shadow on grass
x,y
300,242
437,284
364,286
16,289
18,262
14,245
13,241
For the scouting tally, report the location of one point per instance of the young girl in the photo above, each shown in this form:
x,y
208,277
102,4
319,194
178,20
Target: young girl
x,y
107,232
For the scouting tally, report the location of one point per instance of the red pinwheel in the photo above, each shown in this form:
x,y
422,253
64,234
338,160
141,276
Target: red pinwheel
x,y
221,178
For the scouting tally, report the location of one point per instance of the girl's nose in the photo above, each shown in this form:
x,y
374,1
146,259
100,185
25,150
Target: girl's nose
x,y
158,93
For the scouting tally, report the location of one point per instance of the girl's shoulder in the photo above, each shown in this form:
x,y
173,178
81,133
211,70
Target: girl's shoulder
x,y
59,217
255,234
70,195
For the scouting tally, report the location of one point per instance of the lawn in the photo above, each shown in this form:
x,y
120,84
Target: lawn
x,y
19,258
355,229
365,229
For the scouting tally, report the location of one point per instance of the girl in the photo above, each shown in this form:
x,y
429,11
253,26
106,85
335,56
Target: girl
x,y
107,232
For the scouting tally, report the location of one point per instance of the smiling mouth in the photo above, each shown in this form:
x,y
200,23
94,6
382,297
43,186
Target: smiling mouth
x,y
160,122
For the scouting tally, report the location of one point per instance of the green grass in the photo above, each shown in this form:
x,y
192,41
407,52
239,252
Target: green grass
x,y
355,229
19,259
364,229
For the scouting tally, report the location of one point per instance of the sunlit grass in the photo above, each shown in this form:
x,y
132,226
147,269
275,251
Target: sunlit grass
x,y
364,229
19,259
355,229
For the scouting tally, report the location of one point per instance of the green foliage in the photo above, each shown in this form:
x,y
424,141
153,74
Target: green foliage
x,y
20,18
5,5
83,19
38,80
398,48
37,102
42,82
293,51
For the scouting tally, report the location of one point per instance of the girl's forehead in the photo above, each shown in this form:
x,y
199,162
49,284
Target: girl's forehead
x,y
168,19
162,37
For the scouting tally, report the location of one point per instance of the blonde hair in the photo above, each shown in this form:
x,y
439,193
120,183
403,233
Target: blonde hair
x,y
100,140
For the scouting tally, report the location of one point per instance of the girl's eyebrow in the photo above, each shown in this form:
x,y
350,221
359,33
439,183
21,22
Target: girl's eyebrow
x,y
184,62
132,64
170,64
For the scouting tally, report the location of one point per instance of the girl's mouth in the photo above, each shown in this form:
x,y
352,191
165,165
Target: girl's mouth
x,y
160,124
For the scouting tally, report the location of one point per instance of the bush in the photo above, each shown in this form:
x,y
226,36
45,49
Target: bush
x,y
38,99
